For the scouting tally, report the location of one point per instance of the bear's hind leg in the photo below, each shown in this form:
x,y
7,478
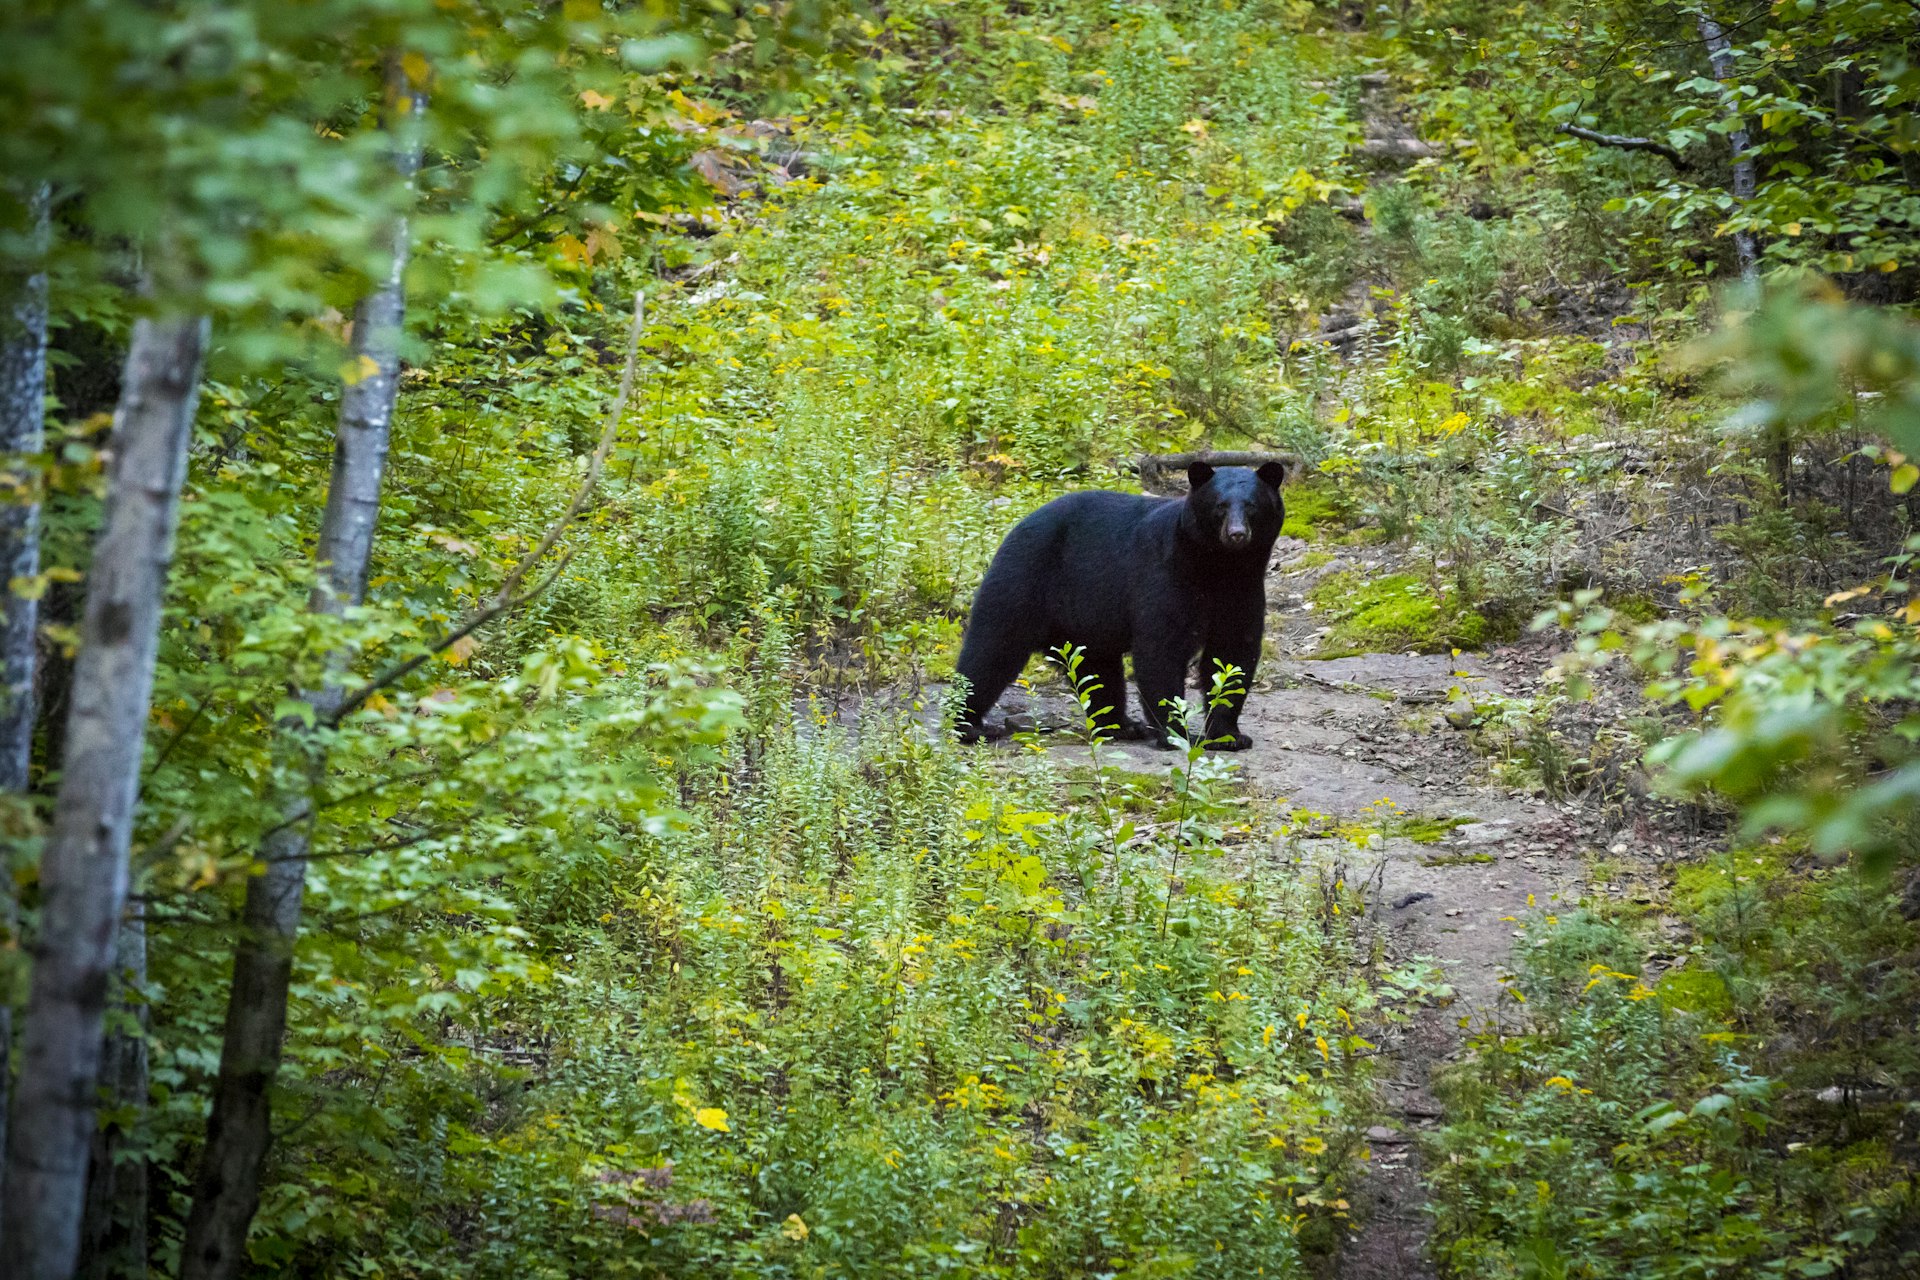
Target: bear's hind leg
x,y
990,664
1162,680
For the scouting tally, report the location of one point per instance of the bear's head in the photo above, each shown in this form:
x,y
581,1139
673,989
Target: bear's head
x,y
1235,508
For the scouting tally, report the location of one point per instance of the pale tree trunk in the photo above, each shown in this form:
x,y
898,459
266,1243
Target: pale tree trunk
x,y
23,391
113,1234
83,869
1720,60
227,1187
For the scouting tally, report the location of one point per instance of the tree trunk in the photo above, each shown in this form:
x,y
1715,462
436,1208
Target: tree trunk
x,y
1720,60
227,1187
83,870
23,390
113,1234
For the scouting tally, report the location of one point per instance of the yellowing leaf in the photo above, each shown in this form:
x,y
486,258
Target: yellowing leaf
x,y
1904,477
603,243
356,371
462,649
714,1118
418,70
460,545
796,1226
595,100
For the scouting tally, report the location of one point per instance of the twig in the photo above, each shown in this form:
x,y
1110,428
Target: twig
x,y
178,735
1625,143
165,845
509,597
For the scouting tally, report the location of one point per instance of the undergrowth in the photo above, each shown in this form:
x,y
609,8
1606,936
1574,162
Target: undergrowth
x,y
1740,1108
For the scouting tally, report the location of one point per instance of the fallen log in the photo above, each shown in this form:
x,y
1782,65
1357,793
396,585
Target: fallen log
x,y
1166,472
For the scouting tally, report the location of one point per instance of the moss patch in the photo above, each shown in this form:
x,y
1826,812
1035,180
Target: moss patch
x,y
1397,612
1635,608
1430,830
1457,860
1314,512
1699,887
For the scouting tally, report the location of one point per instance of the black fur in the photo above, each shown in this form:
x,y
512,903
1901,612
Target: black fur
x,y
1114,573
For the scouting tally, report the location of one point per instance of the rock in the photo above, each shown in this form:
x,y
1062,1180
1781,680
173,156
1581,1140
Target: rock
x,y
1410,899
1397,150
1462,716
1381,1134
1349,208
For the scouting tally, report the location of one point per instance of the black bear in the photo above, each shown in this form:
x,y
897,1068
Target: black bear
x,y
1116,573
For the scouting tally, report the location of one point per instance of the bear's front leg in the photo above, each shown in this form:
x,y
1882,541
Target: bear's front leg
x,y
1233,640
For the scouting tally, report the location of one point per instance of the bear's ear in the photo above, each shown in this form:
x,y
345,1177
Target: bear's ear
x,y
1198,474
1274,473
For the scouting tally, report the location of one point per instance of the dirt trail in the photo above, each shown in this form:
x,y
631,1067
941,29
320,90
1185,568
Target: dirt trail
x,y
1339,737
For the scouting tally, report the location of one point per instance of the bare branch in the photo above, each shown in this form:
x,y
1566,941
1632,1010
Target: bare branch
x,y
509,597
471,623
1625,143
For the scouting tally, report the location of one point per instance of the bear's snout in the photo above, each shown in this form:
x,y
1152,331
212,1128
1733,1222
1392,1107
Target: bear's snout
x,y
1234,534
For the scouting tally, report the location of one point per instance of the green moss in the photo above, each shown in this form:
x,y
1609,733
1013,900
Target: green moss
x,y
1429,830
1314,512
1314,559
1635,608
1457,860
1701,886
1397,612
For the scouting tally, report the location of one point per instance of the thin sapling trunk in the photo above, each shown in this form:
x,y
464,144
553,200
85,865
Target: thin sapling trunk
x,y
227,1188
84,868
23,390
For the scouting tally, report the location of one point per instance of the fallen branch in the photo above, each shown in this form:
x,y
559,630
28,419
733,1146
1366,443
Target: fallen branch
x,y
1625,143
1154,468
509,596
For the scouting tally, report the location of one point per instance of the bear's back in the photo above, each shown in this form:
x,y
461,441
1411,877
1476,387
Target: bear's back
x,y
1099,518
